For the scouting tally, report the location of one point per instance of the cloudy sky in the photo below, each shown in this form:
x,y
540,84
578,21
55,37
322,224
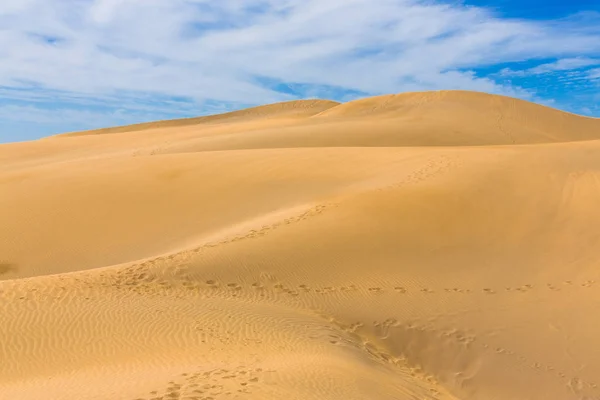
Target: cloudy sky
x,y
78,64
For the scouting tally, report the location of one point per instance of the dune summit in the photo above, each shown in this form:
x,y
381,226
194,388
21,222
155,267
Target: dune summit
x,y
438,245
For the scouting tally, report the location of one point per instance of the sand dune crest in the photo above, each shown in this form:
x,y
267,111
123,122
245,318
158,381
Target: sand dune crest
x,y
289,109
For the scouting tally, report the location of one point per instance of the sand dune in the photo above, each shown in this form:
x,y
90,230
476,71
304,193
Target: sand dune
x,y
290,109
419,246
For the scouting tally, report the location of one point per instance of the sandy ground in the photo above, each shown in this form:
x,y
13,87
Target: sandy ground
x,y
440,245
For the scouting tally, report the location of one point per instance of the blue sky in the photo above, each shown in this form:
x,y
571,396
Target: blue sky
x,y
79,64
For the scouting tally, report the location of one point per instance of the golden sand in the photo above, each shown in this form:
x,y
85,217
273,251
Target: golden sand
x,y
439,245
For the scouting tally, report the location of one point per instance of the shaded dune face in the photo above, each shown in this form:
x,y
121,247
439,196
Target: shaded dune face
x,y
438,245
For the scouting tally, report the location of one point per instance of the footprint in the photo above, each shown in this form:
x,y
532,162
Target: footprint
x,y
354,327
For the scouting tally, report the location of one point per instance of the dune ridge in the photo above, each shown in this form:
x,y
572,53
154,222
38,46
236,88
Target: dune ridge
x,y
289,109
439,118
433,245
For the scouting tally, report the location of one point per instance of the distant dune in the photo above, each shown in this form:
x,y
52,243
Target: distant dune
x,y
438,245
444,118
289,109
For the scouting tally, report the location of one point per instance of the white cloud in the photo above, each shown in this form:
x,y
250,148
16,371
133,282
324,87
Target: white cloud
x,y
45,116
594,73
564,64
102,51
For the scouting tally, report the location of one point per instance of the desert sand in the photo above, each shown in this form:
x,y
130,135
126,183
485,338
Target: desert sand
x,y
439,245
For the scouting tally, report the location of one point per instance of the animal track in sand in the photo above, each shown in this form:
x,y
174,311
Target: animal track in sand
x,y
140,275
441,164
211,384
391,328
357,335
139,278
253,233
585,388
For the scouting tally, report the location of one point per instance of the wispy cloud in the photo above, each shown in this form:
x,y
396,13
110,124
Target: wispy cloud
x,y
182,56
594,73
565,64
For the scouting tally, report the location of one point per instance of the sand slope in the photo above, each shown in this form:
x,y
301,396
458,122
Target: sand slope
x,y
399,247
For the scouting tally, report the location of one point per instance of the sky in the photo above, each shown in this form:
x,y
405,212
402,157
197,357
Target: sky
x,y
68,65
